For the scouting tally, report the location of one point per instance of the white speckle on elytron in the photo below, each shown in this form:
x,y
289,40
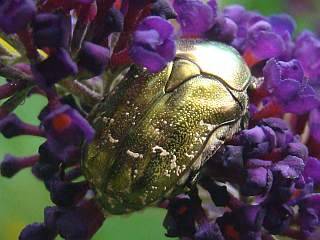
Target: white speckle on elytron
x,y
163,152
111,139
166,173
173,162
189,155
105,119
134,155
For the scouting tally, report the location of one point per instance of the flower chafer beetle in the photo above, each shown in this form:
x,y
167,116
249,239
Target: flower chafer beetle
x,y
154,131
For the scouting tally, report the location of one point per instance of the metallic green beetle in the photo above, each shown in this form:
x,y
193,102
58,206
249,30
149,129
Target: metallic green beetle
x,y
154,131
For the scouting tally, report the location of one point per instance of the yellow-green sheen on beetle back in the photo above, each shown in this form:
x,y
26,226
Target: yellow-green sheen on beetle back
x,y
154,131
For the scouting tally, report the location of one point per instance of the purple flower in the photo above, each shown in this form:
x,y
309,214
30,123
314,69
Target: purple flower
x,y
258,181
277,218
15,15
208,232
66,193
79,222
113,22
195,17
36,231
290,167
309,213
307,51
12,165
277,71
53,69
244,19
180,218
163,9
223,30
153,45
66,129
93,57
312,170
286,82
262,45
48,164
12,126
258,140
282,24
51,30
242,223
297,149
314,124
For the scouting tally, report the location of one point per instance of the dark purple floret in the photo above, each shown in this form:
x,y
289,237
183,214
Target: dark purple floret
x,y
309,211
297,149
51,30
11,87
11,165
250,217
307,51
277,218
66,129
291,167
209,231
48,164
276,71
55,68
281,129
153,45
242,223
258,141
258,181
262,45
233,157
12,126
314,124
180,218
79,222
285,81
312,170
223,30
195,17
163,9
113,22
282,23
66,193
93,57
36,231
16,15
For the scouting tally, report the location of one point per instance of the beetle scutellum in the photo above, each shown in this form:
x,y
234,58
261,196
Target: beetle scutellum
x,y
154,130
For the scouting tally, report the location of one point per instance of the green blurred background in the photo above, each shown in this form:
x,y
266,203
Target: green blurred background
x,y
23,198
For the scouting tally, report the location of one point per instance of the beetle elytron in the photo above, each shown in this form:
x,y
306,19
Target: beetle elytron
x,y
154,131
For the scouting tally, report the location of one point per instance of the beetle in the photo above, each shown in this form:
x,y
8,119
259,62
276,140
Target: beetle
x,y
155,130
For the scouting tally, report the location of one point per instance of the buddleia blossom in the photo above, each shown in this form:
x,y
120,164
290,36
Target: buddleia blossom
x,y
262,182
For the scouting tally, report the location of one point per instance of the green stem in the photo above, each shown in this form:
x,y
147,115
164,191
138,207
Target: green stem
x,y
12,103
85,94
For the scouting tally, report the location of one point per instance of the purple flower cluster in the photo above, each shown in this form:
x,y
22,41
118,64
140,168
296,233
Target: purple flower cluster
x,y
264,181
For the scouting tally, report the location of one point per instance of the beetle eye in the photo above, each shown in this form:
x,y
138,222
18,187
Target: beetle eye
x,y
182,71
